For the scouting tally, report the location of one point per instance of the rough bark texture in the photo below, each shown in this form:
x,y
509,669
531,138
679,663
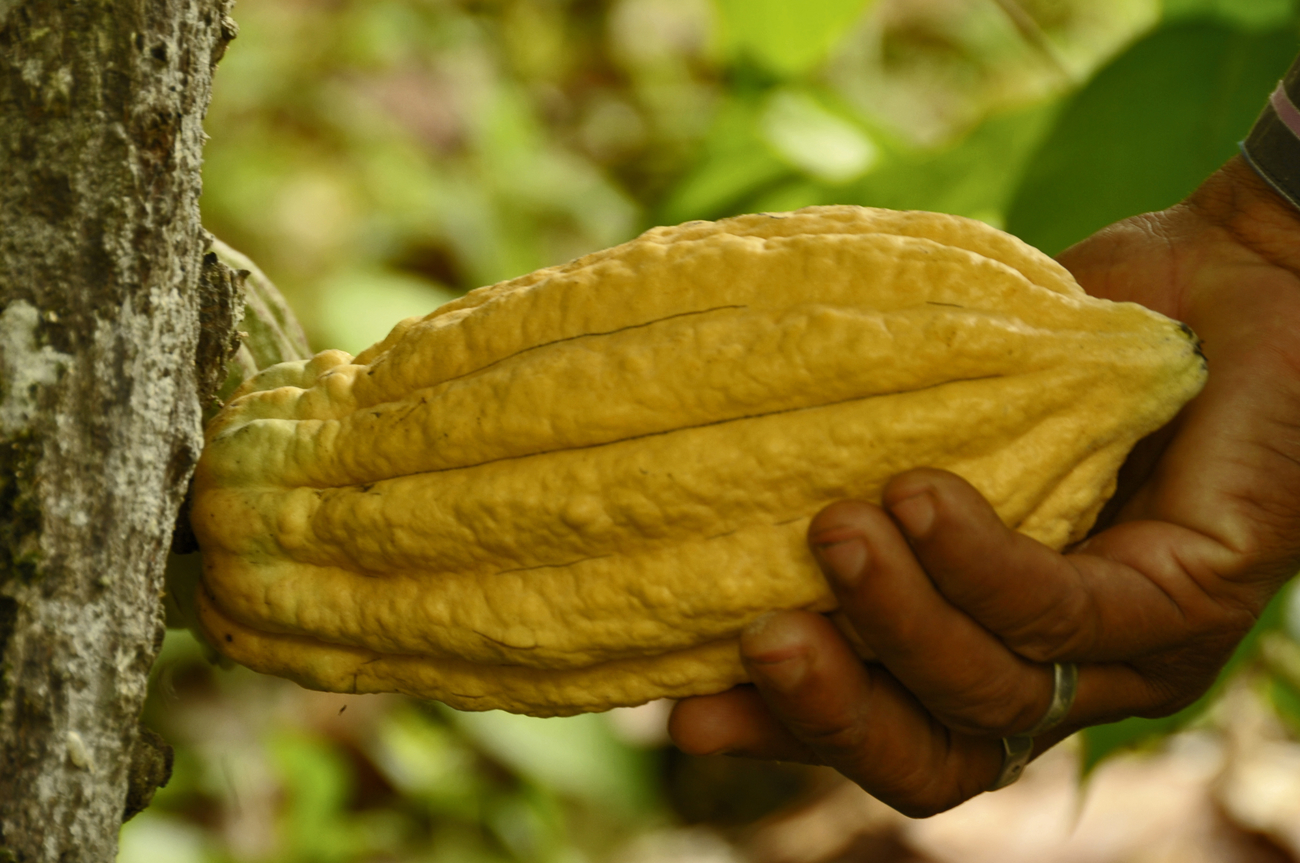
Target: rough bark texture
x,y
101,103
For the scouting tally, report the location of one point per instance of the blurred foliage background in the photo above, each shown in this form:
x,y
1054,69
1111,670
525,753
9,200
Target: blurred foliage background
x,y
378,157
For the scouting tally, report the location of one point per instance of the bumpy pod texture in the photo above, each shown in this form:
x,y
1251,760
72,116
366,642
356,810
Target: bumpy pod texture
x,y
571,490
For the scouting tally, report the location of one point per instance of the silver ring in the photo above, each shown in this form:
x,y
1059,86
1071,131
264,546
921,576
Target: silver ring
x,y
1015,756
1017,748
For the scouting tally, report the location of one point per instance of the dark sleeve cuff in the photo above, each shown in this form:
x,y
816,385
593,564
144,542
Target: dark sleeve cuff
x,y
1273,146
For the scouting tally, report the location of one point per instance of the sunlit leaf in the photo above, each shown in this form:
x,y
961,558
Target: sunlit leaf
x,y
356,308
975,176
815,140
576,755
787,37
152,837
1148,129
427,760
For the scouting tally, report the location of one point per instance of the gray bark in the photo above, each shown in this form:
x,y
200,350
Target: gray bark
x,y
101,304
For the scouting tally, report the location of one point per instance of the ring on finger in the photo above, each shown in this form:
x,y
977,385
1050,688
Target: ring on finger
x,y
1017,748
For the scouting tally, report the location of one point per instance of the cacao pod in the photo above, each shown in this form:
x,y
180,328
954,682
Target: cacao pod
x,y
571,490
268,334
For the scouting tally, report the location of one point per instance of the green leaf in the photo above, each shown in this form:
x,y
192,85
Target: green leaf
x,y
715,188
156,838
737,164
426,760
575,755
1148,129
975,176
357,308
1248,14
1286,701
791,195
1102,741
814,140
530,824
317,781
789,38
744,170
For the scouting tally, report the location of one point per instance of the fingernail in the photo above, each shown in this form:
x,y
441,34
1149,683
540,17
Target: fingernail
x,y
843,560
774,652
915,514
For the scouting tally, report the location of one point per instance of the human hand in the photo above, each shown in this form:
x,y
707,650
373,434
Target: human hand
x,y
965,615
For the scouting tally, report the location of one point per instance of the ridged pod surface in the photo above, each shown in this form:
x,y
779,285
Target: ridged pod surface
x,y
570,491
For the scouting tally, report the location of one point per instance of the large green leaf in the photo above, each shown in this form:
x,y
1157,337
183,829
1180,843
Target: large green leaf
x,y
1148,128
789,38
1251,14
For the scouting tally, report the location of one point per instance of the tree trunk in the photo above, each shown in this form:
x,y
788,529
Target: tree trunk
x,y
103,363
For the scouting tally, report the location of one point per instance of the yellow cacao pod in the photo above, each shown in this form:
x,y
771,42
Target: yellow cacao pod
x,y
571,490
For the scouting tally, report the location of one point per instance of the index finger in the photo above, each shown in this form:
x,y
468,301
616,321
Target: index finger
x,y
1136,589
960,671
981,667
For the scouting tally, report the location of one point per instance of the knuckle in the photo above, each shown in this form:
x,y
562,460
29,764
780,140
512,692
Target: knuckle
x,y
837,739
1042,647
1057,632
988,719
989,711
843,515
1238,614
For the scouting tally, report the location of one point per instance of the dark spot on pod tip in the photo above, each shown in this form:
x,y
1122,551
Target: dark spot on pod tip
x,y
1195,340
229,637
